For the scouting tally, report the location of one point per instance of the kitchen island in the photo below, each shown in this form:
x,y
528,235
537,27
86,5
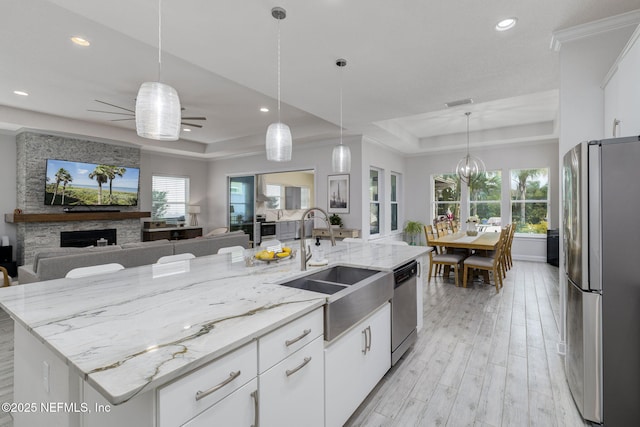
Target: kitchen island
x,y
126,334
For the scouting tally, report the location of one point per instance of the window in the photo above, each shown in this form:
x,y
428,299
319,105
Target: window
x,y
374,201
395,188
485,195
274,193
446,195
530,200
170,196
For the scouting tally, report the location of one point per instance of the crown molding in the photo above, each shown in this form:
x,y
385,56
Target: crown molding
x,y
592,28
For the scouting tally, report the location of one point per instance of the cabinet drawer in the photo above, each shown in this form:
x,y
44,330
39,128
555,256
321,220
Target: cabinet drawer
x,y
177,401
286,340
292,391
237,409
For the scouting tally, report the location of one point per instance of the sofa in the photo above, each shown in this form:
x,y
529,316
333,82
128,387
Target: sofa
x,y
55,263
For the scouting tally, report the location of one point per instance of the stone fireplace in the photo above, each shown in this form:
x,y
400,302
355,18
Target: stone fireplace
x,y
33,149
84,238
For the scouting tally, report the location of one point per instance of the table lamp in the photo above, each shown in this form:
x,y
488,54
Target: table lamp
x,y
193,211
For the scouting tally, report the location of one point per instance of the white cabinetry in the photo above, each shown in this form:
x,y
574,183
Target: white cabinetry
x,y
291,366
622,92
237,409
354,363
208,386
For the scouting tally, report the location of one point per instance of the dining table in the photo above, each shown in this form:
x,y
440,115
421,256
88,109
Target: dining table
x,y
483,241
486,241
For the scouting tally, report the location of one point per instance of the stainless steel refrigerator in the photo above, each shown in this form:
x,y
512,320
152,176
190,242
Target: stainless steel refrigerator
x,y
601,219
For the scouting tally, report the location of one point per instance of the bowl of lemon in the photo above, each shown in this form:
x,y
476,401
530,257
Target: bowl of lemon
x,y
269,256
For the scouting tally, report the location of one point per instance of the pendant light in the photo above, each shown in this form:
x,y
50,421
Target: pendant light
x,y
158,112
469,166
278,140
341,158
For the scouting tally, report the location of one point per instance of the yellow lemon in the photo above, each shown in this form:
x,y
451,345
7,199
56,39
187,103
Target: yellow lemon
x,y
286,249
282,254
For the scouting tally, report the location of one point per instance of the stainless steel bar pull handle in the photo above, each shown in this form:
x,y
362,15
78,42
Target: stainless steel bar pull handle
x,y
290,372
296,339
364,349
616,122
369,340
256,408
203,394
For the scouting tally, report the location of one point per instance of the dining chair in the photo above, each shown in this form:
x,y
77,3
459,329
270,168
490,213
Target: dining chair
x,y
94,270
442,259
507,254
492,264
173,258
6,279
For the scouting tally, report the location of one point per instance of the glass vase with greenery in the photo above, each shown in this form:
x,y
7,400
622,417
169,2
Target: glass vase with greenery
x,y
335,220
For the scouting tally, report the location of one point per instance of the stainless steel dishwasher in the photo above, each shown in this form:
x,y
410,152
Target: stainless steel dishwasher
x,y
404,311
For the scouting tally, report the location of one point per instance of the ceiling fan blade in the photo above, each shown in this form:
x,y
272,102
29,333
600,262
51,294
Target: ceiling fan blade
x,y
122,120
191,124
115,106
112,112
194,118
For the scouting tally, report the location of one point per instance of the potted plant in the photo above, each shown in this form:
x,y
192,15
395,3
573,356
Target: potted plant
x,y
413,229
335,221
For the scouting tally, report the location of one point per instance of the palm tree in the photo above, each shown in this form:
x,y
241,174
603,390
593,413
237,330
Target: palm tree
x,y
112,172
100,173
521,187
62,172
66,179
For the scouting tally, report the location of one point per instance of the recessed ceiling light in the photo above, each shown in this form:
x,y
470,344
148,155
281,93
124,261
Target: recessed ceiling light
x,y
506,24
264,109
80,41
20,92
186,130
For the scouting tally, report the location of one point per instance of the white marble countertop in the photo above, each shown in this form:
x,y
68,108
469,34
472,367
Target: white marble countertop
x,y
131,331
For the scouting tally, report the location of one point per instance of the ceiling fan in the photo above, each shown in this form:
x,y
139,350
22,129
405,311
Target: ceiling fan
x,y
131,114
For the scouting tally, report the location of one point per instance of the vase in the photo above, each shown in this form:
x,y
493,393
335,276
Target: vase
x,y
472,230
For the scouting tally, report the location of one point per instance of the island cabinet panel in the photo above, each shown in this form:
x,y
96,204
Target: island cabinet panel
x,y
237,409
288,339
292,392
354,363
199,390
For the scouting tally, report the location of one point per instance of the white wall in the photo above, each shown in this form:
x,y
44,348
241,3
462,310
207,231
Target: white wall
x,y
543,154
316,156
8,197
583,66
374,155
195,169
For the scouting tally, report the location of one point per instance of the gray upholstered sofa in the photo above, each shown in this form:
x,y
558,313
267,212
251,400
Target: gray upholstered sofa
x,y
55,263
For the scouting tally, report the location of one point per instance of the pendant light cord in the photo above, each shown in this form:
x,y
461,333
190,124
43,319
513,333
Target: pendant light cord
x,y
279,119
468,114
341,73
159,40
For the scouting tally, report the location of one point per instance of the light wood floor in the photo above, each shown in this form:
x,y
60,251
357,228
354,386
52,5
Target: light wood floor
x,y
482,359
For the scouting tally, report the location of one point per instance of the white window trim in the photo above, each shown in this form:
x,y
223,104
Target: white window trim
x,y
187,183
379,202
547,201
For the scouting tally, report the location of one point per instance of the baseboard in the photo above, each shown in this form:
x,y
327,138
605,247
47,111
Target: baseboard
x,y
530,258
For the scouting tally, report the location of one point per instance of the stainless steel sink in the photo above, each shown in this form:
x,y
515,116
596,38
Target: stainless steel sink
x,y
315,285
352,292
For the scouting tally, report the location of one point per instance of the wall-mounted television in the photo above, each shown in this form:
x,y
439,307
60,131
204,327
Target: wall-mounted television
x,y
88,184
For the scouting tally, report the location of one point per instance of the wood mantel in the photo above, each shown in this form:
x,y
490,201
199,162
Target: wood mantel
x,y
74,216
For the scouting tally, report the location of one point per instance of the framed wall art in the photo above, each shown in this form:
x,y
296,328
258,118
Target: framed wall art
x,y
338,193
